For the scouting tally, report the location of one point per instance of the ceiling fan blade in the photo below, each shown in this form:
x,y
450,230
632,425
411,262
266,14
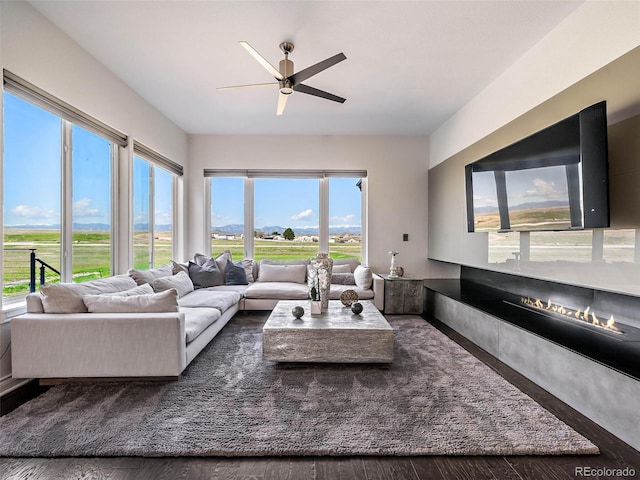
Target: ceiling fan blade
x,y
262,61
273,84
282,103
302,75
318,93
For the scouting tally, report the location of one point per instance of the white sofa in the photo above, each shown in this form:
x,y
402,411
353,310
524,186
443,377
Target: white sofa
x,y
114,345
64,335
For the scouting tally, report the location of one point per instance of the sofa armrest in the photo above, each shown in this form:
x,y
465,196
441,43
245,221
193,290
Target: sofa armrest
x,y
378,291
98,345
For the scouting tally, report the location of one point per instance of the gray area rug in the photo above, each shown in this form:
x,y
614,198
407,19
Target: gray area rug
x,y
435,399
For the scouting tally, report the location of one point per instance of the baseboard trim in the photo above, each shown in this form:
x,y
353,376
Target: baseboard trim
x,y
57,381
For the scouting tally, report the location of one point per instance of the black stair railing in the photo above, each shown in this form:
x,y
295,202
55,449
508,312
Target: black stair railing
x,y
43,266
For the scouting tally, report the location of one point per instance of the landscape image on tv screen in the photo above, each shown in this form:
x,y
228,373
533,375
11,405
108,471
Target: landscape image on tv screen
x,y
537,199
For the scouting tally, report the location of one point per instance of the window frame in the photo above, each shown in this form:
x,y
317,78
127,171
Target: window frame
x,y
249,176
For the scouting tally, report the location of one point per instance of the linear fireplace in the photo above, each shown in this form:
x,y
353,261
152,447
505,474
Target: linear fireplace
x,y
603,326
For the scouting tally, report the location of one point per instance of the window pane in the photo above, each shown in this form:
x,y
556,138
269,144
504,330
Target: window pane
x,y
552,246
619,245
32,173
163,216
286,218
91,160
503,247
227,215
345,218
141,214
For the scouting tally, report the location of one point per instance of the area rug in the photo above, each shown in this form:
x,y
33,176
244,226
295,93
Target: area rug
x,y
435,399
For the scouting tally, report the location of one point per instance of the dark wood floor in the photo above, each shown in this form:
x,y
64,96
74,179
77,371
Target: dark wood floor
x,y
615,454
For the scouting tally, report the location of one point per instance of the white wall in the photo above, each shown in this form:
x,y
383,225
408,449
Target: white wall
x,y
397,182
595,34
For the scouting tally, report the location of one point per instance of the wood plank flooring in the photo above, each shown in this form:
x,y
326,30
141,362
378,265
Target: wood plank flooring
x,y
615,454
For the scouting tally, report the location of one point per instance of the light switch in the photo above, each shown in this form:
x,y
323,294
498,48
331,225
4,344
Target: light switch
x,y
405,237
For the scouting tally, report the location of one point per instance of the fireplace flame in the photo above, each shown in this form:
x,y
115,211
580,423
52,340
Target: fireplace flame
x,y
587,315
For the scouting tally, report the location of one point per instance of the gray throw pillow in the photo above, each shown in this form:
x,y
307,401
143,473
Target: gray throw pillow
x,y
343,279
235,274
206,275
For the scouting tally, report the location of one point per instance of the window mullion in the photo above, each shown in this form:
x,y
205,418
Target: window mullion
x,y
66,205
323,227
151,215
248,217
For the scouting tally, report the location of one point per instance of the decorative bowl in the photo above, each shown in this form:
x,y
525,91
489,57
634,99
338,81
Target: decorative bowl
x,y
348,297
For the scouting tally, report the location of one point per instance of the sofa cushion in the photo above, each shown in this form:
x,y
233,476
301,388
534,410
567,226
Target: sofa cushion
x,y
177,267
336,291
282,273
144,289
196,321
152,303
247,263
67,297
235,274
269,261
180,281
148,276
363,276
277,290
205,275
352,262
221,300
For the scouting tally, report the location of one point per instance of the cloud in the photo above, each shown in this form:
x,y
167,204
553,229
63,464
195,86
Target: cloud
x,y
34,213
480,201
542,188
342,221
81,208
304,214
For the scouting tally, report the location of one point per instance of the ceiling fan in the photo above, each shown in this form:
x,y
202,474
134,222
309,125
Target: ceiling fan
x,y
289,82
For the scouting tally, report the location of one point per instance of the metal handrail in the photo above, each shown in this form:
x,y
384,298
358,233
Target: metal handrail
x,y
43,265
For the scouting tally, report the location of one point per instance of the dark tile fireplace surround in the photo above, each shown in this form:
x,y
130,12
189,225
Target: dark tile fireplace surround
x,y
555,311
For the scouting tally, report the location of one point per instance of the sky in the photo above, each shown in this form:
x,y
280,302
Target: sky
x,y
32,171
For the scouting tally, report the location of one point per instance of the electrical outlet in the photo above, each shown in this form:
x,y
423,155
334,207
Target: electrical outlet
x,y
405,237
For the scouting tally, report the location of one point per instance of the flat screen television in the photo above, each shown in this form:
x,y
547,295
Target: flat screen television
x,y
555,179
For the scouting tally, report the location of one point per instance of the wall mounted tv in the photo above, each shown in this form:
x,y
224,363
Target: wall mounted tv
x,y
555,179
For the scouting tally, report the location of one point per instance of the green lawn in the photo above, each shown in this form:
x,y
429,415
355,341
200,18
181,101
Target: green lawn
x,y
92,254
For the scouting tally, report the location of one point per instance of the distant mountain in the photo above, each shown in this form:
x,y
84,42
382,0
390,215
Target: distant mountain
x,y
238,229
524,206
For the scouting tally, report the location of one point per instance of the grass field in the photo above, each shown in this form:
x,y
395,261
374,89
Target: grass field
x,y
556,218
92,254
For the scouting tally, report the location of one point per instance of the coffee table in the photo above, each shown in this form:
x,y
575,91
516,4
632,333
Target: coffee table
x,y
335,336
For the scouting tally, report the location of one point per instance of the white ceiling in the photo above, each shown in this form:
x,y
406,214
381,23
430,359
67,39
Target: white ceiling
x,y
410,64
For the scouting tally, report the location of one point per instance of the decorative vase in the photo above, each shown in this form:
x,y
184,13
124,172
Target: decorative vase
x,y
392,269
323,264
316,307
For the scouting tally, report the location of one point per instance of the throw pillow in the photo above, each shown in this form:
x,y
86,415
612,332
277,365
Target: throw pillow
x,y
67,297
180,281
352,262
152,303
221,260
247,263
346,268
144,289
206,275
177,267
235,274
282,273
148,276
363,277
343,279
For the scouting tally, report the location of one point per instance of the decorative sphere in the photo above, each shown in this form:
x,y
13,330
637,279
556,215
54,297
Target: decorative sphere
x,y
297,311
356,308
399,271
348,297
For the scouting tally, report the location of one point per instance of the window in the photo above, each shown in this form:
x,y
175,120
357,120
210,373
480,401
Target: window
x,y
227,215
503,247
286,218
620,245
32,186
554,246
153,200
57,192
287,214
345,217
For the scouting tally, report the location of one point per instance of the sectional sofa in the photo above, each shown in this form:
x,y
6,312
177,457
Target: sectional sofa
x,y
152,323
